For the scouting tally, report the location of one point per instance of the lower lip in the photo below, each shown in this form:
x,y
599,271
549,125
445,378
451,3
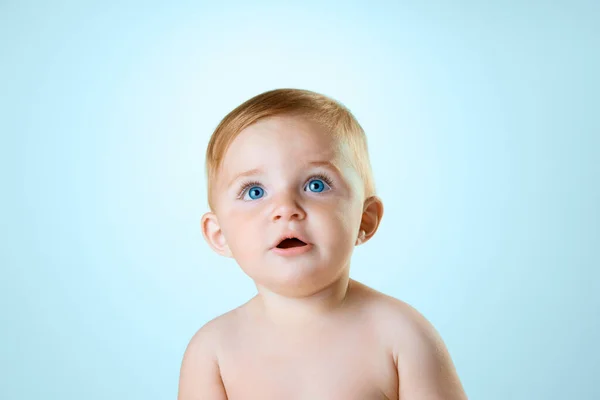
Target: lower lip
x,y
292,251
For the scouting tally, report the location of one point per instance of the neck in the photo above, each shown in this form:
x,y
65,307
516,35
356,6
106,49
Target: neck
x,y
291,312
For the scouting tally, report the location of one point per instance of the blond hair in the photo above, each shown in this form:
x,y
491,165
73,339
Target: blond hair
x,y
331,114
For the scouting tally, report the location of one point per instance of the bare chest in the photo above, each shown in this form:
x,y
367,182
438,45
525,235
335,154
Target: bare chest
x,y
351,366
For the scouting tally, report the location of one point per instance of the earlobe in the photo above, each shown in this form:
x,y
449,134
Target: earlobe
x,y
361,237
211,230
371,218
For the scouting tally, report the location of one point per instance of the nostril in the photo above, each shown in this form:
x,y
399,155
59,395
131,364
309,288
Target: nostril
x,y
287,211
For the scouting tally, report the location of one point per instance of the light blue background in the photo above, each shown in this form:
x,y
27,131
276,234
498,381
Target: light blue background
x,y
484,131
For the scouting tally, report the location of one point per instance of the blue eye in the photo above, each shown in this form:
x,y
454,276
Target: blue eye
x,y
317,185
255,192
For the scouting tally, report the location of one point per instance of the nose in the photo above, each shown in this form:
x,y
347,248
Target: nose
x,y
287,208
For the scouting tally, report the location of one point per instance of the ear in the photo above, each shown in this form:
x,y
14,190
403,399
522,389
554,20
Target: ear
x,y
371,217
211,230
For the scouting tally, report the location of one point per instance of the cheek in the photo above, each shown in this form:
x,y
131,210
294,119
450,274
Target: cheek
x,y
239,229
340,222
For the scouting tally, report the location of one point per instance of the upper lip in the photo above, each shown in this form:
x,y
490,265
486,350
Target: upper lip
x,y
290,235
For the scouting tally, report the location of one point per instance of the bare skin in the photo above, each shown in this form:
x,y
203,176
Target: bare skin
x,y
371,347
311,332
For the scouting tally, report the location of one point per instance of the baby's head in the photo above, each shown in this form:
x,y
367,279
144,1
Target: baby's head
x,y
290,163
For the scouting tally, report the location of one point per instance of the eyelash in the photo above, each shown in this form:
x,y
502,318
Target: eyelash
x,y
247,185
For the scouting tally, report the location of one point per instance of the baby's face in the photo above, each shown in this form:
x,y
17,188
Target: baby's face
x,y
284,175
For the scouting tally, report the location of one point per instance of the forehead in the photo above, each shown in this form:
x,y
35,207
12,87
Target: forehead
x,y
277,140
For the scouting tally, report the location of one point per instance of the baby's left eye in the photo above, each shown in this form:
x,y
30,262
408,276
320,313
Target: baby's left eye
x,y
317,185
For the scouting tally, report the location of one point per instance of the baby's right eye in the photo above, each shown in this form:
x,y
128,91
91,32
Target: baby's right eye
x,y
255,192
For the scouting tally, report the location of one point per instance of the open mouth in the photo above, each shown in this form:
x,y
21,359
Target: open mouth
x,y
289,243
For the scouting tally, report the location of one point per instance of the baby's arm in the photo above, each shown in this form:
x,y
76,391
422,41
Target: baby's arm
x,y
199,377
425,368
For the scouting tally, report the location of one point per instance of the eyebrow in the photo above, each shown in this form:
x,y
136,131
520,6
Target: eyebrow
x,y
258,171
255,171
326,164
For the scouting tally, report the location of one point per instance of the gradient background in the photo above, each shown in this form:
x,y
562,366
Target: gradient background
x,y
483,126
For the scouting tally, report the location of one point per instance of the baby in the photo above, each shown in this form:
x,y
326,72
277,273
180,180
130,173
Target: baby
x,y
291,194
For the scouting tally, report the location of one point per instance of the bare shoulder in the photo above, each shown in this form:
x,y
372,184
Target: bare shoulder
x,y
425,368
389,313
211,333
200,375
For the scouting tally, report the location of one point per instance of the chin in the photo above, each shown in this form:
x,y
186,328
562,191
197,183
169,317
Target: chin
x,y
299,282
